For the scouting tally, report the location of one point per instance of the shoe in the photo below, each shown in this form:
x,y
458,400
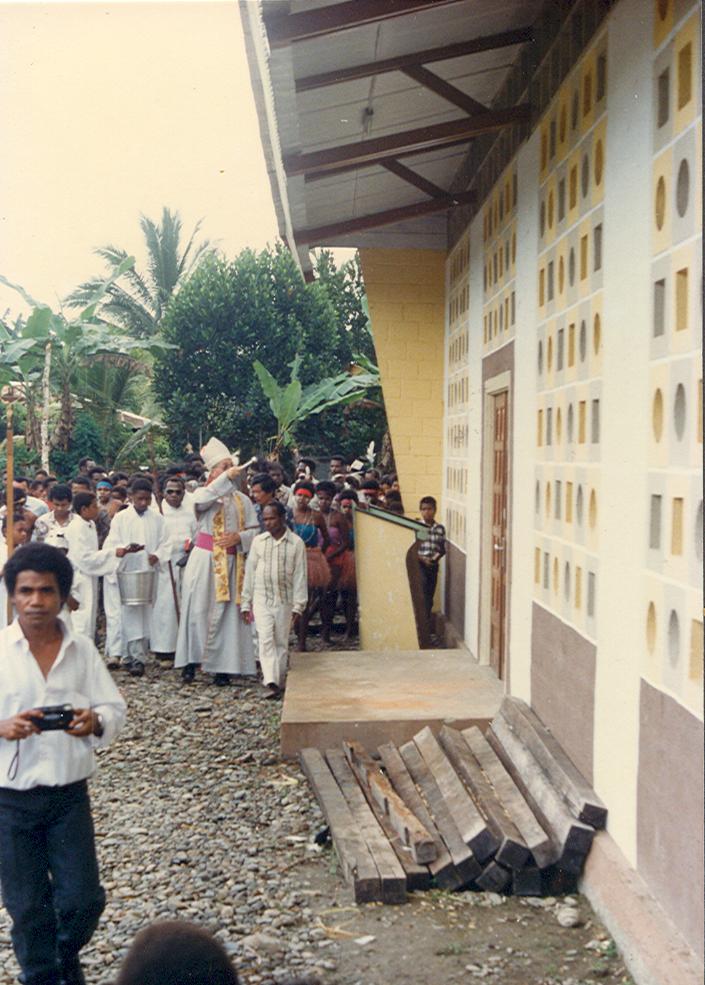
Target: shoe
x,y
126,664
113,663
272,692
71,973
137,669
188,673
222,680
165,657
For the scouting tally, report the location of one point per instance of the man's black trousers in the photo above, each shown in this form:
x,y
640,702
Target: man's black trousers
x,y
429,577
49,877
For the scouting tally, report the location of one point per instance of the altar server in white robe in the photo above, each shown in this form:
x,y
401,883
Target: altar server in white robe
x,y
138,537
89,563
211,632
180,522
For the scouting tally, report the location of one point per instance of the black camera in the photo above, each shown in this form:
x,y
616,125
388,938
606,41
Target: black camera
x,y
54,718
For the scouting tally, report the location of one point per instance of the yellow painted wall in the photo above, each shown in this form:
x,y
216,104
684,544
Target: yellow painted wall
x,y
405,292
387,619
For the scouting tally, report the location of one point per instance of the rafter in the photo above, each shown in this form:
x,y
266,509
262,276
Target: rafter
x,y
283,29
444,89
372,151
412,178
318,235
425,57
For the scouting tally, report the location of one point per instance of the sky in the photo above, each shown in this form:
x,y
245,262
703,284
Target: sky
x,y
112,110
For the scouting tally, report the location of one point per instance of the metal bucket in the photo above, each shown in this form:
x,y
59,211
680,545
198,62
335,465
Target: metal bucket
x,y
137,587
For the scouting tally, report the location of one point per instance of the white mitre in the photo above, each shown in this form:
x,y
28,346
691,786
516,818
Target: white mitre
x,y
213,453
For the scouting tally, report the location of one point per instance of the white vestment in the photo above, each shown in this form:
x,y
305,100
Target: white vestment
x,y
130,527
180,527
212,633
88,564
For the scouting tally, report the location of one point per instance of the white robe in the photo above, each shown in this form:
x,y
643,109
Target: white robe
x,y
180,526
88,564
130,527
212,633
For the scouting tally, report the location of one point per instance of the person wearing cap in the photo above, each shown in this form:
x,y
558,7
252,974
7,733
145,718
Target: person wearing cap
x,y
211,632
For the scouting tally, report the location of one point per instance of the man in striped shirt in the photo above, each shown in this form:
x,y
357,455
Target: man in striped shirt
x,y
276,587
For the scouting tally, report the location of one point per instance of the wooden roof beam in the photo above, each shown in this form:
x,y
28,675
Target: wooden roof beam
x,y
412,178
426,57
283,29
318,235
374,150
444,89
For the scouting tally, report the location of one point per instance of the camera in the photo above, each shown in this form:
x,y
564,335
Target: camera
x,y
54,718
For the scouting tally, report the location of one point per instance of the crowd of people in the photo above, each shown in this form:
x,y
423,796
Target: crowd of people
x,y
195,525
208,565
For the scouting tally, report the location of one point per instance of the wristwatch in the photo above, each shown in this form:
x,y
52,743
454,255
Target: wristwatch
x,y
98,730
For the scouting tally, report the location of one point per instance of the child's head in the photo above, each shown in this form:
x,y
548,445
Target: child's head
x,y
81,484
85,505
141,494
428,508
21,529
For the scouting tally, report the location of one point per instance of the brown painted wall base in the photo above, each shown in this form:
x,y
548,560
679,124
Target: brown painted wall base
x,y
670,809
652,949
563,685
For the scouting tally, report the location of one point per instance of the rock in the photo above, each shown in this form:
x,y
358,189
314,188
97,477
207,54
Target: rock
x,y
568,916
262,943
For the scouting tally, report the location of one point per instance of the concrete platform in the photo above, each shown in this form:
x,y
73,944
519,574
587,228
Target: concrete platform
x,y
375,697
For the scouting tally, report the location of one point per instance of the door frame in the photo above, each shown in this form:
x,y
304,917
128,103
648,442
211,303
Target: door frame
x,y
492,387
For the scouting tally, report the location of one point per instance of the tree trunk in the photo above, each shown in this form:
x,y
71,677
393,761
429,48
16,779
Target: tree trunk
x,y
46,394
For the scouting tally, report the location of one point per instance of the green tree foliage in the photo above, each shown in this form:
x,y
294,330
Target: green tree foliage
x,y
138,301
226,316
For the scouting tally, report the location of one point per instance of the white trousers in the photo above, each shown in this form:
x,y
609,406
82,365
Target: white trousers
x,y
273,626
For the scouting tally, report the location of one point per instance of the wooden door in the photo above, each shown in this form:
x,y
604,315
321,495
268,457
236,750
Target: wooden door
x,y
499,534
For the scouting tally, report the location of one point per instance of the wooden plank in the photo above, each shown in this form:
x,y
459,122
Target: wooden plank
x,y
359,869
537,840
494,878
377,787
527,882
391,874
471,824
566,832
442,870
561,771
511,849
463,858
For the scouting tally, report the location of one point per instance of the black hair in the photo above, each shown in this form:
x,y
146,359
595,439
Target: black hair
x,y
264,481
375,473
395,506
339,456
309,486
370,484
118,476
19,493
140,484
173,478
192,457
82,480
179,953
309,463
41,472
41,558
348,493
325,486
393,496
275,505
120,491
98,469
37,485
17,518
174,470
260,466
60,491
81,501
428,501
22,478
83,461
352,481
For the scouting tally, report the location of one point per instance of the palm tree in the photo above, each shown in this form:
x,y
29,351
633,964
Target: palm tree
x,y
138,302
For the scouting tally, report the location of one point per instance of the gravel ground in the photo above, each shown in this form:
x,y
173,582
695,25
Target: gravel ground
x,y
197,818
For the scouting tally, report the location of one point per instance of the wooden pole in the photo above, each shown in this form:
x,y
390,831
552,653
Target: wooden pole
x,y
10,494
158,494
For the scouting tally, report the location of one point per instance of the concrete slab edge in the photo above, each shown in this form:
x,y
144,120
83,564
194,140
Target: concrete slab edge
x,y
652,948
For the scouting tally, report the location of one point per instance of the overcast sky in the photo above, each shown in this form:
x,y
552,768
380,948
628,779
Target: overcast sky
x,y
110,110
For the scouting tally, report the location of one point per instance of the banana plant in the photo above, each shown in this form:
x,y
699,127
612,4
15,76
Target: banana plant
x,y
45,354
291,403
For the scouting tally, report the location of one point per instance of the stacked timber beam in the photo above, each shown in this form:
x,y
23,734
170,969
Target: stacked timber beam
x,y
507,811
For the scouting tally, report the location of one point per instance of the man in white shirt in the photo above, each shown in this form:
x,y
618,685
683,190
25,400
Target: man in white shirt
x,y
48,867
276,586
